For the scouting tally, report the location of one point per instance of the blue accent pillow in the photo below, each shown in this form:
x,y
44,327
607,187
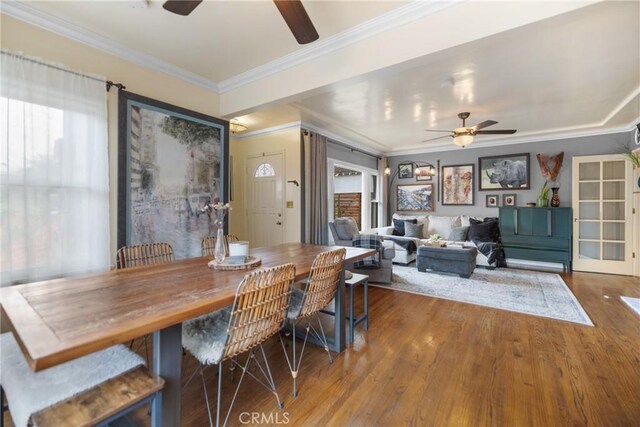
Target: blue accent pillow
x,y
398,225
459,234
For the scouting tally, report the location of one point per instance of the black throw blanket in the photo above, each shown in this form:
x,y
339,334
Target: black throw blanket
x,y
493,251
407,244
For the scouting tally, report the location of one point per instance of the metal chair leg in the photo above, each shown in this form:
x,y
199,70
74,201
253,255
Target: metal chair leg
x,y
295,361
206,396
324,339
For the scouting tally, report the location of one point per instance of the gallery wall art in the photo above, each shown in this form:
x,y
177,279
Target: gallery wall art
x,y
171,162
457,184
415,198
510,172
405,170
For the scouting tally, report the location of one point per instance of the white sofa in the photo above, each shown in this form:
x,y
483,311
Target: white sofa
x,y
432,224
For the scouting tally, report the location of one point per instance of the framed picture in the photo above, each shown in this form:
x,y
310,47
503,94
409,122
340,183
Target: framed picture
x,y
424,175
509,200
171,162
510,172
457,185
415,197
405,170
492,200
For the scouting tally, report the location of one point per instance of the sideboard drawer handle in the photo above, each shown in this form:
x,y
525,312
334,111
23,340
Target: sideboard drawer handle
x,y
515,221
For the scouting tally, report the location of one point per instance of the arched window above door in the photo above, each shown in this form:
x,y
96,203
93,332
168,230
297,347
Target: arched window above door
x,y
264,170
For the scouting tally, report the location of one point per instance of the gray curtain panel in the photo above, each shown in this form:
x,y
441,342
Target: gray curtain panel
x,y
315,194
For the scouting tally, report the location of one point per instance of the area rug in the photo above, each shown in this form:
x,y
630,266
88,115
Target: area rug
x,y
522,291
633,303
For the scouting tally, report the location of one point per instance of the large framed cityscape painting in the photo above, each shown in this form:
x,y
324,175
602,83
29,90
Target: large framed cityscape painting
x,y
415,198
171,162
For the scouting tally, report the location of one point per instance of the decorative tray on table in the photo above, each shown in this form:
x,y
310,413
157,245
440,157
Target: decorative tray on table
x,y
230,263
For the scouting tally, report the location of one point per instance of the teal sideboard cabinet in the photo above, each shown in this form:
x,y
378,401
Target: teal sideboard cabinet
x,y
537,234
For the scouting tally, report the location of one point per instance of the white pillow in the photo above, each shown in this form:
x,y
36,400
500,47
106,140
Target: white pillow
x,y
422,219
465,220
442,225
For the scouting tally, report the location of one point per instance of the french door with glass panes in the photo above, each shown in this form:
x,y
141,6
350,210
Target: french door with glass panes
x,y
602,206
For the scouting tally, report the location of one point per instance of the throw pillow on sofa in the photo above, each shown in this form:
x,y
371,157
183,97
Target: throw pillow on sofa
x,y
413,230
347,228
459,234
398,225
442,225
422,219
484,231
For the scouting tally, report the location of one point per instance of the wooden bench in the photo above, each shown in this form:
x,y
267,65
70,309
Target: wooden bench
x,y
92,390
103,403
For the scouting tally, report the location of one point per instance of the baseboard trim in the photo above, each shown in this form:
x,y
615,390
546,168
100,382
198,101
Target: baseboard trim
x,y
534,265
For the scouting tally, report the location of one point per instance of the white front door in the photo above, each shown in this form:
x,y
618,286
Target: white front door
x,y
602,210
265,186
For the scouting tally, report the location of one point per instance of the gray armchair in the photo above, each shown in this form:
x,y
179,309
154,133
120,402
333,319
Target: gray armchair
x,y
344,230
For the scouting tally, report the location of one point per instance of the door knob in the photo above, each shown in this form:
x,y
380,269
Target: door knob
x,y
279,223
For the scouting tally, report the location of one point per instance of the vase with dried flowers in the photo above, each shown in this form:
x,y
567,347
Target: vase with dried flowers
x,y
221,210
550,167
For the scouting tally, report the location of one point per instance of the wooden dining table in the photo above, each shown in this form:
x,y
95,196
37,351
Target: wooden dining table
x,y
56,321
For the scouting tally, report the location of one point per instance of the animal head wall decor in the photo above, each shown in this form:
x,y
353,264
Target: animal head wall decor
x,y
550,166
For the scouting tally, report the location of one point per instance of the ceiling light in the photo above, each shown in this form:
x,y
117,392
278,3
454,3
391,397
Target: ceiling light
x,y
236,126
462,140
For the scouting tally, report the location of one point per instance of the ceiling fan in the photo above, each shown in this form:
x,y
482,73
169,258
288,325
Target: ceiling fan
x,y
463,136
292,11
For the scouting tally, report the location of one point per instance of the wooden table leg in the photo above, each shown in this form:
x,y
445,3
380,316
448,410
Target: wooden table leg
x,y
167,357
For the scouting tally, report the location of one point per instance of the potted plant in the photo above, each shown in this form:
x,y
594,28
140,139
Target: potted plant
x,y
543,197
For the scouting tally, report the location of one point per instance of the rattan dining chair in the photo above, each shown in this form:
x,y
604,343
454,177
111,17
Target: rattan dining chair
x,y
139,255
208,244
258,312
317,293
146,254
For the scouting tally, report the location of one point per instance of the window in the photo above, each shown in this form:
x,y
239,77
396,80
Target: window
x,y
53,172
354,191
264,170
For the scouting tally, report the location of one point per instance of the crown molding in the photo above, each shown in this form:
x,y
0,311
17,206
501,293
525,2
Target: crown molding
x,y
395,18
66,29
341,139
312,128
269,130
441,147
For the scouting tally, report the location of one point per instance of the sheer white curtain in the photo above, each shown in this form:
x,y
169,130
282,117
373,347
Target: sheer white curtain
x,y
54,209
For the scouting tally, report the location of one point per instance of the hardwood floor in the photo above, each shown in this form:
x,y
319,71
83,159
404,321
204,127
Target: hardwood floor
x,y
433,362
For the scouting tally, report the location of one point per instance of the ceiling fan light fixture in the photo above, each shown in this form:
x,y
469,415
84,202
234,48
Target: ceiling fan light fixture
x,y
462,140
236,126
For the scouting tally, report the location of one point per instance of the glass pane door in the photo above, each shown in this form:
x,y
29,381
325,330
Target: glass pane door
x,y
601,206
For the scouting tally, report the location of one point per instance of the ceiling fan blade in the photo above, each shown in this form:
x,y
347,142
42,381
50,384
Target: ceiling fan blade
x,y
437,137
496,132
298,20
181,7
485,124
437,130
